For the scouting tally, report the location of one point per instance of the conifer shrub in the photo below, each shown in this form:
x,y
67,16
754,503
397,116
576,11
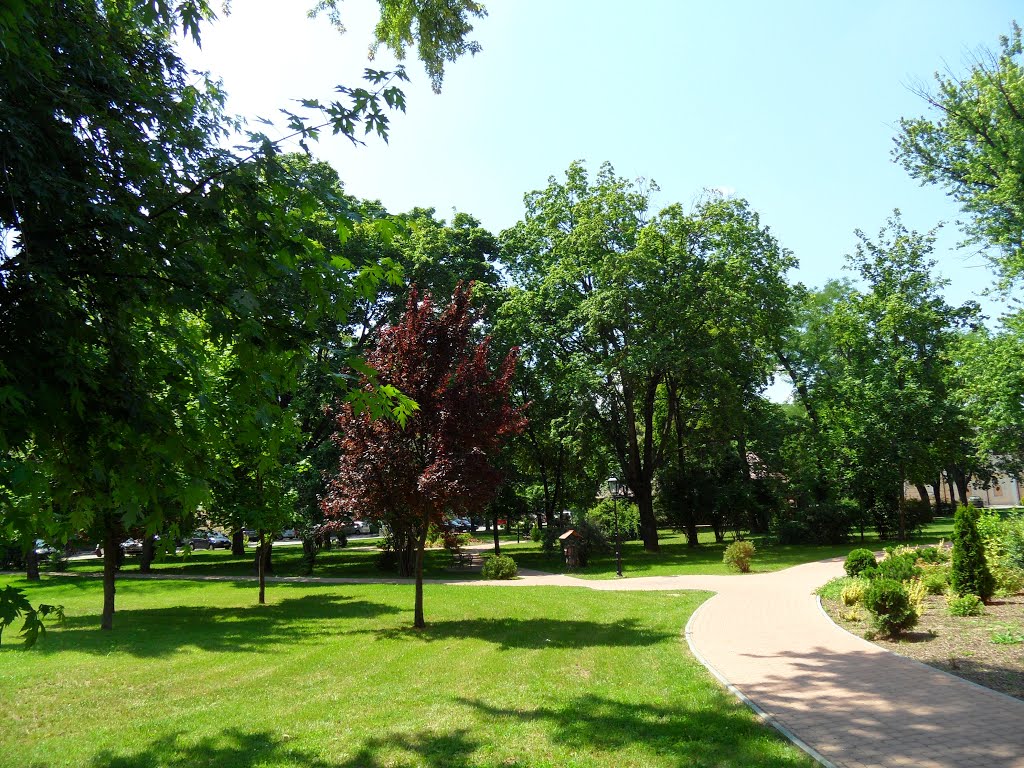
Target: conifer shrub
x,y
889,603
859,560
970,574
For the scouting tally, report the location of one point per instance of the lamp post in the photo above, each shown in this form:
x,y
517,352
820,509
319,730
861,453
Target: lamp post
x,y
613,488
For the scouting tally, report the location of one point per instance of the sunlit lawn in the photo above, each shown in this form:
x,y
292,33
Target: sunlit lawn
x,y
675,558
329,676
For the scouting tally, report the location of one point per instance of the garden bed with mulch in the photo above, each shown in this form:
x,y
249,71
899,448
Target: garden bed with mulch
x,y
987,649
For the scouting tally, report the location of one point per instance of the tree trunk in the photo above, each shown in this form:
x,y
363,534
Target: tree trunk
x,y
901,506
263,554
148,554
962,485
261,563
405,552
32,562
644,499
111,550
922,491
238,543
497,540
952,490
418,621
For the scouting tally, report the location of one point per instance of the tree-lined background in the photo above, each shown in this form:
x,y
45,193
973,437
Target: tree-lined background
x,y
199,327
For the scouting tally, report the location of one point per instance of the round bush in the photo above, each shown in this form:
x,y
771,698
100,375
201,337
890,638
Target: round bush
x,y
890,607
500,567
966,605
738,555
535,534
858,560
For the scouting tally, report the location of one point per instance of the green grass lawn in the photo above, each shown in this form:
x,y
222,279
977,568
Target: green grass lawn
x,y
196,674
675,558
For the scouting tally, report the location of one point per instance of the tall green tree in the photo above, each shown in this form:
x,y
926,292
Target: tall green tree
x,y
127,251
887,400
971,144
992,392
642,311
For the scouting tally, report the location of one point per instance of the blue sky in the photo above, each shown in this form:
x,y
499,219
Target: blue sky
x,y
792,105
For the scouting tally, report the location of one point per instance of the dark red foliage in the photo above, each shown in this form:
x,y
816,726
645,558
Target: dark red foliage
x,y
441,461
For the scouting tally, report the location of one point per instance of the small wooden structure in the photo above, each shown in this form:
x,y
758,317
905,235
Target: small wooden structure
x,y
571,547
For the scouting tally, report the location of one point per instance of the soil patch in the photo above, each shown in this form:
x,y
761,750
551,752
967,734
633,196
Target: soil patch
x,y
987,649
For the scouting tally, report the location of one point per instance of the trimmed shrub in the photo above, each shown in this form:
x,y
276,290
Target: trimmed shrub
x,y
932,555
970,575
858,561
853,593
1013,541
916,593
935,580
1009,580
901,566
833,588
890,607
738,555
500,567
535,534
966,605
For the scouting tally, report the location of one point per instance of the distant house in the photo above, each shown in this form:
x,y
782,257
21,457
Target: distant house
x,y
1003,491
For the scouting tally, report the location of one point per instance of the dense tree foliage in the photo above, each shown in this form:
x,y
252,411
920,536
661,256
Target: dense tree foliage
x,y
675,313
441,461
137,252
972,147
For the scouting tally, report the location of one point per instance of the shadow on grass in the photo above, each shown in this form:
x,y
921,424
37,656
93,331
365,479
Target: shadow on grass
x,y
232,748
593,725
153,632
237,749
530,633
720,734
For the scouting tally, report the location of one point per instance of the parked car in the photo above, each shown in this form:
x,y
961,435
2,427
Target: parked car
x,y
288,534
219,541
132,546
251,535
43,549
976,501
362,526
203,540
461,525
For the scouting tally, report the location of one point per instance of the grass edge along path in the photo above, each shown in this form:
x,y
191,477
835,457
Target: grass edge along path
x,y
196,674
